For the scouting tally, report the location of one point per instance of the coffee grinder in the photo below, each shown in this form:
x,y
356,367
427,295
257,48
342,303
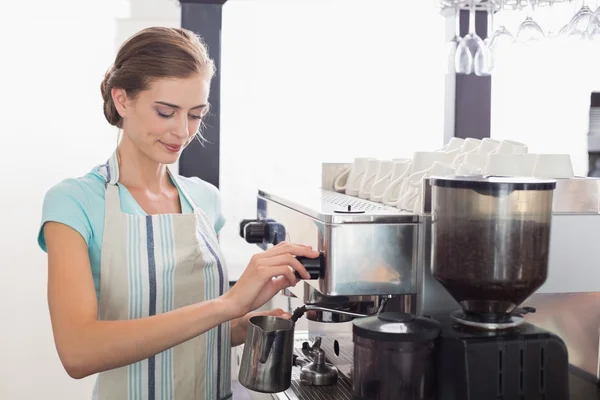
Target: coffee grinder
x,y
490,248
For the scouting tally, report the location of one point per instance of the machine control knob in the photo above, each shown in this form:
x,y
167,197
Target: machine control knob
x,y
262,231
254,231
314,266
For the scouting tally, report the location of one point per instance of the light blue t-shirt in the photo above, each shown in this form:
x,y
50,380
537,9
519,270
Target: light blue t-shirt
x,y
79,203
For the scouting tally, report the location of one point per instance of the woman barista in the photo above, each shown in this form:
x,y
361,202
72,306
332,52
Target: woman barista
x,y
137,284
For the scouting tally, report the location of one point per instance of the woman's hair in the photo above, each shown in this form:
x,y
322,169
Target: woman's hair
x,y
150,54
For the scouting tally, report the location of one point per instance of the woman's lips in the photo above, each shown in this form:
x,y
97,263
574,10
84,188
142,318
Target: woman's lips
x,y
173,148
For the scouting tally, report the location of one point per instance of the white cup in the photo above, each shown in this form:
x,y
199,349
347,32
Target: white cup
x,y
400,171
501,164
453,144
409,189
411,199
382,179
468,170
488,145
423,160
470,144
368,179
476,159
349,180
511,147
553,166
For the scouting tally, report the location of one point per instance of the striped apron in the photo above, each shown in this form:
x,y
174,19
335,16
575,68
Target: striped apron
x,y
154,264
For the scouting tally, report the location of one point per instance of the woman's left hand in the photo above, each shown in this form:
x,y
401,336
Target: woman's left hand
x,y
239,326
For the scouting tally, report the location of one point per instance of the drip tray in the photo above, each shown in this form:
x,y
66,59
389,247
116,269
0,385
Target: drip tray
x,y
342,390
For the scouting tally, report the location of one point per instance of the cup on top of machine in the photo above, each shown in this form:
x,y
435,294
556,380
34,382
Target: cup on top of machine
x,y
349,180
391,193
382,179
369,177
554,166
511,147
411,201
502,164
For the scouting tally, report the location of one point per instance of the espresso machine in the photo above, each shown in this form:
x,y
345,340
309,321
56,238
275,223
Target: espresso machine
x,y
528,340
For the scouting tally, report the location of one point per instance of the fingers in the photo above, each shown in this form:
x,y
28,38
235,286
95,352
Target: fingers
x,y
270,272
286,259
269,290
294,249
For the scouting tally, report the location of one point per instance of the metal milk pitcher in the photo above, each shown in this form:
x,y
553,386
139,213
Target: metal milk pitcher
x,y
266,365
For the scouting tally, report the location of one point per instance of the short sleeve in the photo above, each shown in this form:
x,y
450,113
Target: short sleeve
x,y
219,217
65,203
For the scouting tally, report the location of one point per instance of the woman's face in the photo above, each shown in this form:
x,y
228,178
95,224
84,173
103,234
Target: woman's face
x,y
162,120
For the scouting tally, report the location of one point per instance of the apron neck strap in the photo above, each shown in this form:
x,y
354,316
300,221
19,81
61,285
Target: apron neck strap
x,y
110,172
181,189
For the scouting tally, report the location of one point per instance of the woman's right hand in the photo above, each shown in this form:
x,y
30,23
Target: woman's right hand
x,y
257,285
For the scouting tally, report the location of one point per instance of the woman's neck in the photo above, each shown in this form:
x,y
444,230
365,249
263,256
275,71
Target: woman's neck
x,y
138,171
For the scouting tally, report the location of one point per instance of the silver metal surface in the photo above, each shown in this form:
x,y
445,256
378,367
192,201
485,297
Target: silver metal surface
x,y
458,316
331,207
577,196
310,307
267,359
317,372
360,259
370,258
341,390
575,318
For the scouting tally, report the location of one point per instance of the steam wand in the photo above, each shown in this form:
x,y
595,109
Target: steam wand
x,y
299,312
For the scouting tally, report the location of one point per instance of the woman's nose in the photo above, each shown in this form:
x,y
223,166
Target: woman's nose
x,y
183,128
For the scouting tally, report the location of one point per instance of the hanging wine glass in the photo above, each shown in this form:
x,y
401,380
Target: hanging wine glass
x,y
454,43
469,45
501,36
483,61
529,30
593,28
578,25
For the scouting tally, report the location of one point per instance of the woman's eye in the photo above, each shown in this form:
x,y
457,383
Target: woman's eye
x,y
165,115
195,116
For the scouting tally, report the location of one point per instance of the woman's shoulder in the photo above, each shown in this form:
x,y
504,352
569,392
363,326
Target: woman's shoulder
x,y
74,202
206,196
79,189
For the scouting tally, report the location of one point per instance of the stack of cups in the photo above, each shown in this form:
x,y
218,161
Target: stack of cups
x,y
399,182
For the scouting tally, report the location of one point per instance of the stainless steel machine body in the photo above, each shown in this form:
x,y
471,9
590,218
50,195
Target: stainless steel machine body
x,y
375,252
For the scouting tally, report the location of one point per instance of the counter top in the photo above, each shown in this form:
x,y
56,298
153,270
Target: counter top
x,y
580,389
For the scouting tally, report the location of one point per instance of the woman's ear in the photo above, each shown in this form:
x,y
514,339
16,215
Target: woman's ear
x,y
121,101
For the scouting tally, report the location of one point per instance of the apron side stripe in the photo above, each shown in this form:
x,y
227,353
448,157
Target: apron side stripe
x,y
209,334
130,268
152,300
219,328
139,296
169,283
164,355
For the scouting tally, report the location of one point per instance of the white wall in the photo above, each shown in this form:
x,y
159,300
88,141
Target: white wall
x,y
54,55
299,89
541,92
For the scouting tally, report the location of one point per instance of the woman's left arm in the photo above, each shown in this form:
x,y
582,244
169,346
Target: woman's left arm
x,y
239,326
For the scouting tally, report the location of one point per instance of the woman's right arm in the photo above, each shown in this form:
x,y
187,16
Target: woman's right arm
x,y
87,345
